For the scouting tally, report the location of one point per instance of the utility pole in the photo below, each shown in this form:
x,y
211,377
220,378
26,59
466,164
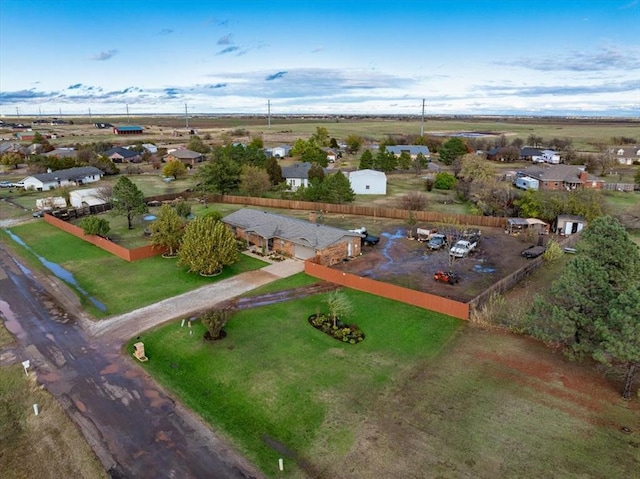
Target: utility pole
x,y
186,116
269,113
127,112
90,116
18,113
422,122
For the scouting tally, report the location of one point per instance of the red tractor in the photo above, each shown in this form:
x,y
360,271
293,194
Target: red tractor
x,y
444,277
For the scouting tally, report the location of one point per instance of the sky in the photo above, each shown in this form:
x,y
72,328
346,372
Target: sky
x,y
475,57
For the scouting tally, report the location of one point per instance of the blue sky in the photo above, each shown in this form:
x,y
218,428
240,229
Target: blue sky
x,y
535,57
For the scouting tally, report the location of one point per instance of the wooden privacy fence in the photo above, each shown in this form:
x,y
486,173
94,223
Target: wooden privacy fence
x,y
121,252
360,210
514,278
390,291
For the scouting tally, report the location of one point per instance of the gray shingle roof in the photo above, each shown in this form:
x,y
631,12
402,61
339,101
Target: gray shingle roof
x,y
123,152
297,170
566,173
297,231
73,174
411,149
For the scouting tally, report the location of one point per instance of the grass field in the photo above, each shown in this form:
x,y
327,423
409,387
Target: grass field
x,y
422,396
47,446
275,379
119,285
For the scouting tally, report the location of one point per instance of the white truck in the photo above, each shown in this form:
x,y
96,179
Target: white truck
x,y
462,248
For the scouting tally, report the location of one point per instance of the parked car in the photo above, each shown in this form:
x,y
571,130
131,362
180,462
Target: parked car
x,y
437,241
6,184
533,251
370,240
462,248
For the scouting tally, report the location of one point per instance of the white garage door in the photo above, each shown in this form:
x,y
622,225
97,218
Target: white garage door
x,y
303,252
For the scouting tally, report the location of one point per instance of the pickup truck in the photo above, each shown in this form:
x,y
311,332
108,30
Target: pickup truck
x,y
462,248
437,241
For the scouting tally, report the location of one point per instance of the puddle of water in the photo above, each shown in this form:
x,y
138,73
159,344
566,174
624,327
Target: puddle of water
x,y
58,271
391,238
149,217
480,269
10,321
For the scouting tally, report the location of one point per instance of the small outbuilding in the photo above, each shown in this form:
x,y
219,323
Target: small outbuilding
x,y
368,182
568,224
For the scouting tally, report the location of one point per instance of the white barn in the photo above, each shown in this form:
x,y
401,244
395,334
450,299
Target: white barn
x,y
368,182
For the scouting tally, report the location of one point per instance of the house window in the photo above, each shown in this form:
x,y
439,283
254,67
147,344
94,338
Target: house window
x,y
366,187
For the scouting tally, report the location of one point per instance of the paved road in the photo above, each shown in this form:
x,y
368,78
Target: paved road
x,y
136,429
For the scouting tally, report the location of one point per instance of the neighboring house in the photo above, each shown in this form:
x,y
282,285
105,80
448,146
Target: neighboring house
x,y
62,153
188,157
295,238
128,130
119,154
55,179
531,154
150,148
368,182
296,175
88,197
103,126
628,155
568,224
413,150
516,226
11,147
559,177
281,151
27,135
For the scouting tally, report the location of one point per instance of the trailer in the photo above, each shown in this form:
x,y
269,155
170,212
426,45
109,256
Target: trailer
x,y
527,183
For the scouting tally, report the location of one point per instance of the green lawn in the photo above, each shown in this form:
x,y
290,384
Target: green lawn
x,y
274,376
119,285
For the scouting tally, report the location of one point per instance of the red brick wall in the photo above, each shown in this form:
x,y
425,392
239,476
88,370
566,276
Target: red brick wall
x,y
390,291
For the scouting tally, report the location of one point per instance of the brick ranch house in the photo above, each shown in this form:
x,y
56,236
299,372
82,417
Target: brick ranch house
x,y
563,177
292,237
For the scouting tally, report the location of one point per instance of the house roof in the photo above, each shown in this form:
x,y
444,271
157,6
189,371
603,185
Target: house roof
x,y
186,154
11,147
62,153
297,231
411,149
367,172
297,170
70,174
129,128
528,151
123,152
564,173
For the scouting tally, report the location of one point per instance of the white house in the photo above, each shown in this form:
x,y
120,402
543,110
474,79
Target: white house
x,y
150,148
412,150
88,197
281,151
296,175
626,156
69,177
368,182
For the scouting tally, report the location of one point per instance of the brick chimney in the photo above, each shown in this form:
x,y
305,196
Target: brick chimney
x,y
583,176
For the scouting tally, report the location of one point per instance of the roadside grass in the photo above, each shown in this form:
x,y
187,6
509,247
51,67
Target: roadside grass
x,y
275,379
119,285
6,338
296,281
45,446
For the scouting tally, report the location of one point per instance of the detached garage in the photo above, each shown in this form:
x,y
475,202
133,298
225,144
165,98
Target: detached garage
x,y
368,182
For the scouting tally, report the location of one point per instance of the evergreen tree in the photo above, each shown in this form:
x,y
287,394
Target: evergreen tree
x,y
366,160
167,230
92,225
451,150
128,200
338,189
274,170
207,246
620,336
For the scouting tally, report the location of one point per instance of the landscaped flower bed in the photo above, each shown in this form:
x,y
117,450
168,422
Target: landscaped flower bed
x,y
340,331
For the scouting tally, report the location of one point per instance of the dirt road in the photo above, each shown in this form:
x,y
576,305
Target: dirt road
x,y
135,428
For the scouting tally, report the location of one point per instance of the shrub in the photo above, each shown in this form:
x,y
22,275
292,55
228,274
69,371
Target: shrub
x,y
92,225
553,253
444,181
